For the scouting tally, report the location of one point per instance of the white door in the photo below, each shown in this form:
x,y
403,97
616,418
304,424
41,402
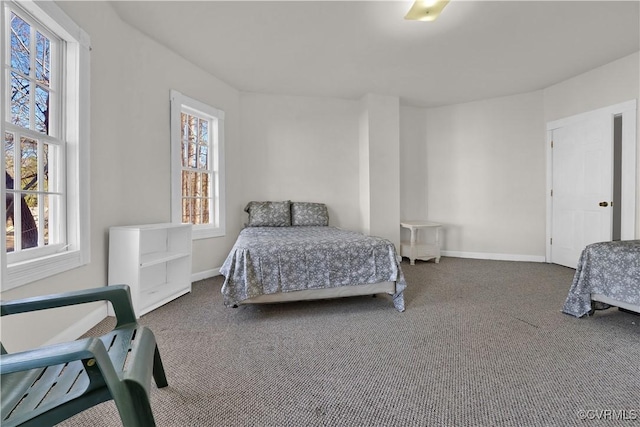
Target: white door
x,y
582,186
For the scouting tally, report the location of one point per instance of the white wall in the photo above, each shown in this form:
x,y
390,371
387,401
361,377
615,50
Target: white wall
x,y
485,176
479,168
131,76
610,84
302,149
325,150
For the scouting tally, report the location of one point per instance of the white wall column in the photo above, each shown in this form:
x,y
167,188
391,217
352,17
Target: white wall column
x,y
380,166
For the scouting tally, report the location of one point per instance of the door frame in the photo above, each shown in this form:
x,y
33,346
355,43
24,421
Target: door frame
x,y
628,111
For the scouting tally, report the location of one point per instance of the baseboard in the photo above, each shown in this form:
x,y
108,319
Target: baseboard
x,y
494,257
201,275
76,330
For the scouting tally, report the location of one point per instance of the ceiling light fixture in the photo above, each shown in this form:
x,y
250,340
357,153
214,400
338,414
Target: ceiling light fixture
x,y
426,10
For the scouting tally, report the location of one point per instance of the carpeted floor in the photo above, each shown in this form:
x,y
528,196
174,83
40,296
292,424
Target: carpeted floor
x,y
482,343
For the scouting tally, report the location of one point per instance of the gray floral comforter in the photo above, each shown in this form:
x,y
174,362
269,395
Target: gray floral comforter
x,y
267,260
609,268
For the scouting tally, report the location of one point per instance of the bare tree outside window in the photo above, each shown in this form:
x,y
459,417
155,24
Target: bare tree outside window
x,y
196,193
27,155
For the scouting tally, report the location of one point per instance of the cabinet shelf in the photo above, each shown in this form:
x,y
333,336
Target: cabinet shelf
x,y
148,260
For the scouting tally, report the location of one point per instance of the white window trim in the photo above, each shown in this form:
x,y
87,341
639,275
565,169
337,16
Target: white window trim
x,y
199,231
76,134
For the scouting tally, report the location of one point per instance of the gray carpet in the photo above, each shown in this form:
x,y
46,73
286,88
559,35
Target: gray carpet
x,y
482,343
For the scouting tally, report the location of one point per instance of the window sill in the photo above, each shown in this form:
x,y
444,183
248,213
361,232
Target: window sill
x,y
206,233
21,273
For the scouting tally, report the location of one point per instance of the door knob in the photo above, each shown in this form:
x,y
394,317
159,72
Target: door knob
x,y
603,204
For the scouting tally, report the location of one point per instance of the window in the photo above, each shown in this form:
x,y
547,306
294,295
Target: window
x,y
44,125
197,166
31,139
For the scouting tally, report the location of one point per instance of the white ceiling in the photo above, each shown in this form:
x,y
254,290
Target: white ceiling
x,y
475,50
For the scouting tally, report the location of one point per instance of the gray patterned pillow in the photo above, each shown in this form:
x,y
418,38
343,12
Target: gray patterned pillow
x,y
269,214
303,213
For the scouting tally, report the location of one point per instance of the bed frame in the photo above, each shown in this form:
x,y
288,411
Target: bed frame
x,y
616,303
324,293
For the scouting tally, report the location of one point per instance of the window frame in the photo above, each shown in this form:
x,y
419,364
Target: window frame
x,y
181,103
74,133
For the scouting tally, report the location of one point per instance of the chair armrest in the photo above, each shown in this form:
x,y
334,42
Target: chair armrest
x,y
118,295
55,354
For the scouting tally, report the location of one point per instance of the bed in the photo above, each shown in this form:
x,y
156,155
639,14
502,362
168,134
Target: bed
x,y
608,274
288,252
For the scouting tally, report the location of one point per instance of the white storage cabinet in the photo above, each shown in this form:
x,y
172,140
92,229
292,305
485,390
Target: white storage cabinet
x,y
154,260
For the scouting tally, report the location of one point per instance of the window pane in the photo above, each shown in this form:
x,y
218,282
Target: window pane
x,y
184,134
20,35
192,127
185,153
186,183
193,156
183,126
206,206
203,178
28,164
45,160
45,221
197,218
19,101
193,184
186,210
29,220
54,220
205,184
9,224
42,110
9,162
43,59
9,156
9,215
204,131
203,157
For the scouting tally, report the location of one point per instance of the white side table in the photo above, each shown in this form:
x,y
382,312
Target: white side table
x,y
421,250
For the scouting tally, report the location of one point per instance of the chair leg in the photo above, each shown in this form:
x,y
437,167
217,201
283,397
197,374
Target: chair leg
x,y
158,370
134,406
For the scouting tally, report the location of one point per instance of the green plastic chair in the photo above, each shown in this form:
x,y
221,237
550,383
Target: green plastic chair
x,y
44,386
